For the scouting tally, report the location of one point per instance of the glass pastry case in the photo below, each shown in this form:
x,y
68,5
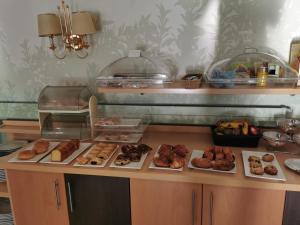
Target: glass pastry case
x,y
64,98
66,112
134,71
66,126
252,67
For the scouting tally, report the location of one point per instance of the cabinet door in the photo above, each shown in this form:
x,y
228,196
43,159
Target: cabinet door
x,y
38,198
236,206
165,203
95,200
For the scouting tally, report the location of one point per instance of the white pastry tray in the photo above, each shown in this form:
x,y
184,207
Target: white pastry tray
x,y
96,166
131,165
35,159
132,138
153,166
199,154
82,148
279,177
123,122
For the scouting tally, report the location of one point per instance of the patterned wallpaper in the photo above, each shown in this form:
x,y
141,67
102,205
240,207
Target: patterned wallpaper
x,y
188,35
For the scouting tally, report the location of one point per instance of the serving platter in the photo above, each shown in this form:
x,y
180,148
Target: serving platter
x,y
293,164
132,138
123,122
103,164
35,159
199,154
246,154
82,148
153,166
131,165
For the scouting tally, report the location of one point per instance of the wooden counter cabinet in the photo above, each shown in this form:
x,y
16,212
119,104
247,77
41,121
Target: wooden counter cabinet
x,y
161,203
38,198
236,206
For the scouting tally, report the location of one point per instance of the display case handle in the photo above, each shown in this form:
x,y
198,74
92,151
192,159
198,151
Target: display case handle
x,y
211,207
57,196
193,207
70,197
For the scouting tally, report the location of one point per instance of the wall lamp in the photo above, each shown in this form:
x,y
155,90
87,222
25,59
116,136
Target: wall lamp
x,y
72,27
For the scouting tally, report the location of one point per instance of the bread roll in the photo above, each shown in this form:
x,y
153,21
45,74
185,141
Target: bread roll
x,y
26,155
41,146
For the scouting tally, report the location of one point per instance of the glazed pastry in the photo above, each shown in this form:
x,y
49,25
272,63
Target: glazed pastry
x,y
201,163
82,160
271,170
209,155
96,161
144,148
181,150
257,170
268,158
122,160
26,155
230,157
220,156
177,163
253,158
255,164
40,147
227,151
160,162
223,165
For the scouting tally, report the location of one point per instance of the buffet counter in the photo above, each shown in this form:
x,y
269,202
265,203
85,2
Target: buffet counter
x,y
193,138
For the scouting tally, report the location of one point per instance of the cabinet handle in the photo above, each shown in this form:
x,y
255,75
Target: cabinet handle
x,y
56,191
70,197
211,207
193,207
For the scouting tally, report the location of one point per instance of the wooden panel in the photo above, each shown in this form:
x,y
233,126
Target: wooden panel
x,y
244,206
291,210
34,200
165,203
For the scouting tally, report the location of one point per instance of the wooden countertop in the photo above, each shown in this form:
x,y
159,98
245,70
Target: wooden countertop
x,y
193,138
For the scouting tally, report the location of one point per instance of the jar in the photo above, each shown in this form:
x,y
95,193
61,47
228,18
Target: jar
x,y
262,76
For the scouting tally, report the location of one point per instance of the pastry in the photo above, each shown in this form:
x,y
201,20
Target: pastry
x,y
230,157
96,161
253,158
180,150
255,164
227,151
135,156
223,165
82,160
220,156
177,163
271,170
26,155
40,146
64,150
122,160
144,148
268,158
257,170
159,162
123,137
201,163
209,155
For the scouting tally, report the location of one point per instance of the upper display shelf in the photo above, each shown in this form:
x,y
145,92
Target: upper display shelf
x,y
180,88
64,98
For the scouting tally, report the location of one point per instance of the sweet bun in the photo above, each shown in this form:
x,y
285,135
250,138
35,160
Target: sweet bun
x,y
268,158
271,170
201,163
26,154
257,170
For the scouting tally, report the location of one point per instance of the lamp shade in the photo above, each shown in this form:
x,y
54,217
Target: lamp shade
x,y
82,23
48,24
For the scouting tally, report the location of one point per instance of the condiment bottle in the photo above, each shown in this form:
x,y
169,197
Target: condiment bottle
x,y
262,76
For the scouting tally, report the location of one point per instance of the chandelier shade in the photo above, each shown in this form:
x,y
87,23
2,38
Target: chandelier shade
x,y
49,25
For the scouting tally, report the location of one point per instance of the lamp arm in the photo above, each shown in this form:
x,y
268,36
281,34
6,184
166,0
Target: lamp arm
x,y
85,53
